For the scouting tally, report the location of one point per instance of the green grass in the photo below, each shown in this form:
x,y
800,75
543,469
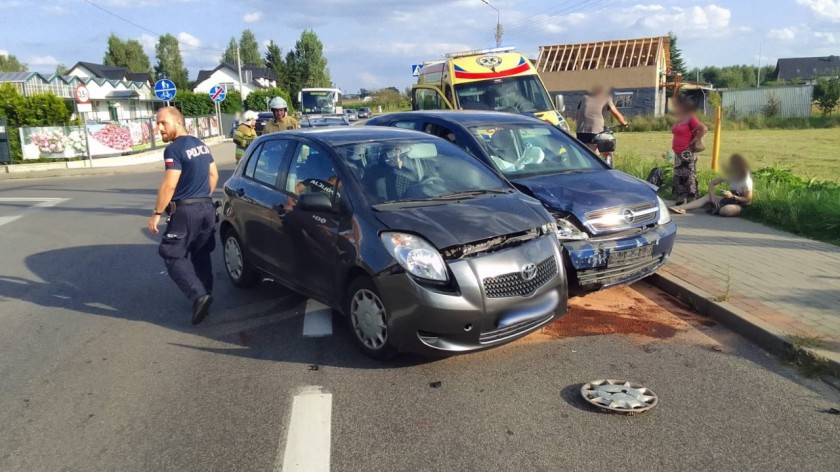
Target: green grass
x,y
809,153
808,207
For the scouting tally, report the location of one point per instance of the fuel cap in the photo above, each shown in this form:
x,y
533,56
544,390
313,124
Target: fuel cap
x,y
619,396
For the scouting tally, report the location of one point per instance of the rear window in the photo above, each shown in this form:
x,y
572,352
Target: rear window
x,y
417,169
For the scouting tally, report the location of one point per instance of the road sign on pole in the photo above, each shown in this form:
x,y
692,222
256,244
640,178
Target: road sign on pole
x,y
218,93
415,70
165,90
82,99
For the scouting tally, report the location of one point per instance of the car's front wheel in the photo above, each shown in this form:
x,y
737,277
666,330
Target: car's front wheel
x,y
368,319
240,272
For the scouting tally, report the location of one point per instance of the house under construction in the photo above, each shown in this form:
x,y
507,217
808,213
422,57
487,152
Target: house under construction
x,y
635,69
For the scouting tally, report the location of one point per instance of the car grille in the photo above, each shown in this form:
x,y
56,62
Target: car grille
x,y
621,272
612,219
500,334
512,284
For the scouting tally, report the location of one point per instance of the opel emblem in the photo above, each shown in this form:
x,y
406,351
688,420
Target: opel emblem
x,y
529,271
628,215
489,61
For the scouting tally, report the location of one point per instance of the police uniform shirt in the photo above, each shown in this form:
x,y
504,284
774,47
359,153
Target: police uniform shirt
x,y
193,158
286,123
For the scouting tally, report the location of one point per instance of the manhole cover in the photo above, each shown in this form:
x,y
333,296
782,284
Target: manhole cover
x,y
619,396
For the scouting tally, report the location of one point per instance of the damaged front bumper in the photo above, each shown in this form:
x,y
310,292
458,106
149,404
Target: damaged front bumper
x,y
596,264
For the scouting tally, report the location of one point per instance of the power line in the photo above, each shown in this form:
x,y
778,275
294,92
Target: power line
x,y
147,29
583,5
529,18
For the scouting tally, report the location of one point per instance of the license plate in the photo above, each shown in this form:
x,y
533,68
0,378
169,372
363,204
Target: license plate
x,y
619,257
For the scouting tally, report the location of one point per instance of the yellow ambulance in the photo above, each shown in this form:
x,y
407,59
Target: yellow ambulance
x,y
498,79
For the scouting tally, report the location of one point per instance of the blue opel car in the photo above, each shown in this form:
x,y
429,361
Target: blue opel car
x,y
613,227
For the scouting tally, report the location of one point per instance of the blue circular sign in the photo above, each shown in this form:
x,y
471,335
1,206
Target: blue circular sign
x,y
165,90
217,93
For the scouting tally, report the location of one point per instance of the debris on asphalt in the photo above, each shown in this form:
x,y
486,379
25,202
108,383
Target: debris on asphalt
x,y
717,348
436,384
651,348
834,411
313,367
509,432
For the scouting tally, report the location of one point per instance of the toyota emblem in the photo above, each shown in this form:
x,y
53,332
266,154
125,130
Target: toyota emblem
x,y
529,271
628,215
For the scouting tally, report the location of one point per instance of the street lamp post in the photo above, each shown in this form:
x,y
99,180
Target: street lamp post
x,y
498,23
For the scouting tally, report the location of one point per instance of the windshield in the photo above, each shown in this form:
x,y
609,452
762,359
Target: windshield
x,y
318,102
533,149
417,170
513,94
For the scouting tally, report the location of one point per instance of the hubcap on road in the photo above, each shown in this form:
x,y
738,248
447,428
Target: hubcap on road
x,y
619,396
233,258
368,316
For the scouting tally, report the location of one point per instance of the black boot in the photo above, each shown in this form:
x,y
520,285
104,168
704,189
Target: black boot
x,y
201,308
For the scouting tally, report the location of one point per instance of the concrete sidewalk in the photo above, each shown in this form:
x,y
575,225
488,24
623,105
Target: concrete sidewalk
x,y
780,290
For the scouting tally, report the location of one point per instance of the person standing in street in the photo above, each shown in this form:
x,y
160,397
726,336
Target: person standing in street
x,y
282,121
590,115
245,133
189,179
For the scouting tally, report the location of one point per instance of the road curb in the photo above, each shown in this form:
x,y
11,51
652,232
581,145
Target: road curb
x,y
751,327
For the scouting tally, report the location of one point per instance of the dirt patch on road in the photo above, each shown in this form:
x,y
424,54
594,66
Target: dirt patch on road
x,y
641,310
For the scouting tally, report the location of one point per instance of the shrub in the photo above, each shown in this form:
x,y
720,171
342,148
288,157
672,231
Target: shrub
x,y
773,107
256,100
44,109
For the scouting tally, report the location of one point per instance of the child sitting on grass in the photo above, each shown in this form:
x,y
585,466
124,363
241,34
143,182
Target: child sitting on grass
x,y
738,196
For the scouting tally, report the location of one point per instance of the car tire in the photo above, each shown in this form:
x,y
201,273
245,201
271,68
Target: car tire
x,y
241,273
366,313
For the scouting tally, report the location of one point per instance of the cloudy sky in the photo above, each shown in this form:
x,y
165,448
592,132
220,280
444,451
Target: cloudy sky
x,y
372,43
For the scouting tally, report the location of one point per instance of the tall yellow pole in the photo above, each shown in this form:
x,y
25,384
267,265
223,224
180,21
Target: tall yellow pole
x,y
716,147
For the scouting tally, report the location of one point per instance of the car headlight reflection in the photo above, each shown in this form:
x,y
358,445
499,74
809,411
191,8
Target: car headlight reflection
x,y
416,255
567,231
664,214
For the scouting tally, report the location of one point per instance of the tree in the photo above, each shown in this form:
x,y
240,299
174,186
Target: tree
x,y
274,61
40,109
9,63
61,69
677,62
306,65
256,100
128,54
249,49
827,95
229,56
170,65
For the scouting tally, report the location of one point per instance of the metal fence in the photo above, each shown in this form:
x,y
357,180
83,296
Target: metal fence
x,y
793,101
117,138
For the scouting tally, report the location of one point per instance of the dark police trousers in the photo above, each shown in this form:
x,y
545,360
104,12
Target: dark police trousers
x,y
186,247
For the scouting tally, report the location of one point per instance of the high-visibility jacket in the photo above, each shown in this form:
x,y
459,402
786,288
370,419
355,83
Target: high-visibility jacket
x,y
242,137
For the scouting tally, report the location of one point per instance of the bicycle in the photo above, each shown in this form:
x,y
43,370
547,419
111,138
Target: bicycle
x,y
606,144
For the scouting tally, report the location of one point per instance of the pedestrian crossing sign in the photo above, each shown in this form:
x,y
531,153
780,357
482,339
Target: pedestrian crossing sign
x,y
415,70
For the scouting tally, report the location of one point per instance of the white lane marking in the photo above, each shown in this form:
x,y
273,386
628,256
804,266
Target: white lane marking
x,y
318,320
309,435
42,203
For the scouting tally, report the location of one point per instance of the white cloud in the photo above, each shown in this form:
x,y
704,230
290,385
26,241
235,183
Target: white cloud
x,y
782,34
369,80
710,20
252,17
828,9
3,52
826,38
148,42
43,61
188,40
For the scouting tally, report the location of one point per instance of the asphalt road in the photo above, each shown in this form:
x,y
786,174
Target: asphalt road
x,y
102,370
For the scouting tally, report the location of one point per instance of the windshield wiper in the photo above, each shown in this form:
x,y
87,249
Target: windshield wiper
x,y
470,193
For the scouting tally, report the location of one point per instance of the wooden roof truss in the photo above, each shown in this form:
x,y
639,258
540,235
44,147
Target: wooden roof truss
x,y
643,52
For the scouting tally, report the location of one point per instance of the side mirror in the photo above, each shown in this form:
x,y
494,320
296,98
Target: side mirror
x,y
560,103
316,202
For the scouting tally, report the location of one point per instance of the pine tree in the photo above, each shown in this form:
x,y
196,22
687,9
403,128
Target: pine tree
x,y
677,62
274,61
229,56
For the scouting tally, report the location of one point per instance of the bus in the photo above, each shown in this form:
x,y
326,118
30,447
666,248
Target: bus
x,y
498,79
320,101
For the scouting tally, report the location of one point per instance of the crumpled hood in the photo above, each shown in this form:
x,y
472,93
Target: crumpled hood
x,y
466,221
582,192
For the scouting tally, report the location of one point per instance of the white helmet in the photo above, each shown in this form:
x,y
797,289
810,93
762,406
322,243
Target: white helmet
x,y
277,103
249,115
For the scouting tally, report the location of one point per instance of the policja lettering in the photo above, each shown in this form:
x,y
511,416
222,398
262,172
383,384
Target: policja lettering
x,y
197,151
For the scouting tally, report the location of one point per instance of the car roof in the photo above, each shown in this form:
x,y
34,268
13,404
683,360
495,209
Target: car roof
x,y
469,117
354,134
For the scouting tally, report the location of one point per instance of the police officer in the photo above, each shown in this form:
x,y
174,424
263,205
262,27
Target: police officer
x,y
282,121
189,179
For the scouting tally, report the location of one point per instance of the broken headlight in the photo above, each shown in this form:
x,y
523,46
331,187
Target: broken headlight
x,y
416,255
664,214
567,231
